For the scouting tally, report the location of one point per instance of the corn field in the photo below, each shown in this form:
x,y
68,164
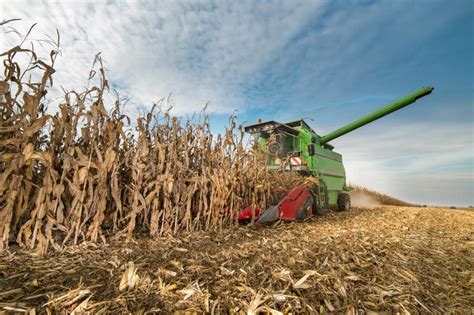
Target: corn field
x,y
86,172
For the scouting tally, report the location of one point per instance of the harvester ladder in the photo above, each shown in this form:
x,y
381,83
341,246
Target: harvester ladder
x,y
323,195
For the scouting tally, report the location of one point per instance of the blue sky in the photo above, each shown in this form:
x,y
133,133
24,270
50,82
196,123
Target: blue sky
x,y
331,61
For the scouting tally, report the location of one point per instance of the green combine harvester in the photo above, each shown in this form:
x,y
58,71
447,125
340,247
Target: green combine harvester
x,y
295,146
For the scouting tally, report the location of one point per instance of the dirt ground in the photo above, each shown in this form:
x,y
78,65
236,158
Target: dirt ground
x,y
383,259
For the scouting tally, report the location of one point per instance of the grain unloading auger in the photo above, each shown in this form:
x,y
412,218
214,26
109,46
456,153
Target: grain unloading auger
x,y
294,146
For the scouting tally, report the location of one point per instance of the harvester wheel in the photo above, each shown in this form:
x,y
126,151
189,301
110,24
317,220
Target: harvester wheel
x,y
320,206
343,202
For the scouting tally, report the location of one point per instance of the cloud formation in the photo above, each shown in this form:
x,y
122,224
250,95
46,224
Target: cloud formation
x,y
200,51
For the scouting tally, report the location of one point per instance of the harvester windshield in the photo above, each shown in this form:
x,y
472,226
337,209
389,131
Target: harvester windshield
x,y
278,141
279,147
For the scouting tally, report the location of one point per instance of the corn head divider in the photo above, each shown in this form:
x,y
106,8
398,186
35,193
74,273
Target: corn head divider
x,y
295,147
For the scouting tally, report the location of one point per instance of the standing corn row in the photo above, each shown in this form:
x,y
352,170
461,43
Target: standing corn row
x,y
85,172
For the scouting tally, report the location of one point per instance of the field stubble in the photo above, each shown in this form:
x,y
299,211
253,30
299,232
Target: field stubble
x,y
388,258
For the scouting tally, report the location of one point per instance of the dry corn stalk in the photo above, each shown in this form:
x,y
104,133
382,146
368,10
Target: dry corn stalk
x,y
85,171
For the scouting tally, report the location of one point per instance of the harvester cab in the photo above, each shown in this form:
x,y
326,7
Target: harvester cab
x,y
295,146
287,146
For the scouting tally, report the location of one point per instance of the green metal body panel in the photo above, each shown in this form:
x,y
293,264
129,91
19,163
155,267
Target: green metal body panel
x,y
295,139
331,170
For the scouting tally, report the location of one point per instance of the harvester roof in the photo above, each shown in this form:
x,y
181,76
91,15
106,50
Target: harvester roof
x,y
300,123
271,126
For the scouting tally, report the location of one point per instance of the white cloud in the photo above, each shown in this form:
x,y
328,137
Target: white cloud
x,y
199,50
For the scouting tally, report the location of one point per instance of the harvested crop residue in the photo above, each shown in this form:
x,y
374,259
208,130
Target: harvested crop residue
x,y
383,259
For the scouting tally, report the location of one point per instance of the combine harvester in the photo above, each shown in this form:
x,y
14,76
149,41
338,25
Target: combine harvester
x,y
295,147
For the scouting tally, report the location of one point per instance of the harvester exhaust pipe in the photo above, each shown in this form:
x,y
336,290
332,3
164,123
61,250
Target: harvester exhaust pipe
x,y
407,100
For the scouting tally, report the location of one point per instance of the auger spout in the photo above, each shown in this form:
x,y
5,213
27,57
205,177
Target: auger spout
x,y
407,100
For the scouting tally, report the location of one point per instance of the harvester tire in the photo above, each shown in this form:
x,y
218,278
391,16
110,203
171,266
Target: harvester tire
x,y
343,202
